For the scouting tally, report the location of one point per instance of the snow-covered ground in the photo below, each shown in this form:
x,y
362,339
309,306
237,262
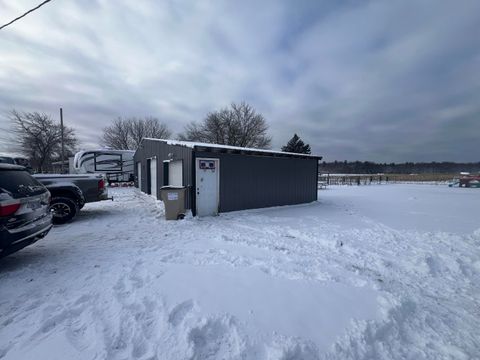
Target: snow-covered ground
x,y
369,272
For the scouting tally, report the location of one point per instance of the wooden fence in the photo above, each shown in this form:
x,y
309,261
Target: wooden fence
x,y
376,179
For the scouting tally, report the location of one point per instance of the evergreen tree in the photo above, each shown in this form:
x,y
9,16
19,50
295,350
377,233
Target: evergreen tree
x,y
296,145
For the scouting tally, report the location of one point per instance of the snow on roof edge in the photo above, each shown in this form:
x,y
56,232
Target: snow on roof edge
x,y
193,144
103,150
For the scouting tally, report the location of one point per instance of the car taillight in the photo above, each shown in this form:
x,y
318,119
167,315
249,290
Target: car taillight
x,y
101,184
10,209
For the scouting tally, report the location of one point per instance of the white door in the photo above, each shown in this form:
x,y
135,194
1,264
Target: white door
x,y
207,182
153,176
139,175
175,173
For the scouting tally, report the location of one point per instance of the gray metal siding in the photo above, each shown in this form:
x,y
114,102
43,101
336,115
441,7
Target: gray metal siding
x,y
249,182
151,148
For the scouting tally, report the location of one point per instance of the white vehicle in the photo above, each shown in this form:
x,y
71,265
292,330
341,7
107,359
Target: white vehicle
x,y
117,165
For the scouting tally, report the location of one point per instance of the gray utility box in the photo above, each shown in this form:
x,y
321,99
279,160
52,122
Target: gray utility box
x,y
173,198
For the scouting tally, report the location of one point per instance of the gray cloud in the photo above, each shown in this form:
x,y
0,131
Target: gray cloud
x,y
383,81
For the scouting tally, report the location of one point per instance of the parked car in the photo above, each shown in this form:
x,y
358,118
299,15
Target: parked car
x,y
16,159
24,209
71,192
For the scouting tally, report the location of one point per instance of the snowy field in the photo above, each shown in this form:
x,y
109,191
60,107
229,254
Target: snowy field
x,y
369,272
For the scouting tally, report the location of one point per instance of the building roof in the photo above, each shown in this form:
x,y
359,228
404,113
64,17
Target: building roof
x,y
199,146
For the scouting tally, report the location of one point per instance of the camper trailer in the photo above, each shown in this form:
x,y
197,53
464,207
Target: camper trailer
x,y
117,165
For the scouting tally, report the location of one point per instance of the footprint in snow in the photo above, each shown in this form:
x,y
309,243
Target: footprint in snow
x,y
217,338
82,299
179,312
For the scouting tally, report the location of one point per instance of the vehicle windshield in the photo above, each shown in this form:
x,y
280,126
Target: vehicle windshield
x,y
22,162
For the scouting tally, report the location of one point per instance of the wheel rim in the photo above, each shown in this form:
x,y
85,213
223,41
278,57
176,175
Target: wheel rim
x,y
60,210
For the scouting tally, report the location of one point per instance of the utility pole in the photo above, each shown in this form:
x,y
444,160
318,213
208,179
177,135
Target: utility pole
x,y
61,129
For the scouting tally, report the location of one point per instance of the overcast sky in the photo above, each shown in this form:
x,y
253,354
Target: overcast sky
x,y
367,80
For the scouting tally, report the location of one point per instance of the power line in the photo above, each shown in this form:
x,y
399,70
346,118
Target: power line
x,y
25,14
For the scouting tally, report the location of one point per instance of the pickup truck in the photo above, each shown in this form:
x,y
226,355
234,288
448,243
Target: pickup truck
x,y
71,192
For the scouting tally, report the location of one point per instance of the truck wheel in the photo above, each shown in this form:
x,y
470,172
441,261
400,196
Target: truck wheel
x,y
63,209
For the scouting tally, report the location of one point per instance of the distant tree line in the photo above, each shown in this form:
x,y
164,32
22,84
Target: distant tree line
x,y
367,167
38,136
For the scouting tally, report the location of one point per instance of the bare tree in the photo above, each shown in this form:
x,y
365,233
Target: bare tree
x,y
147,127
239,125
38,136
127,133
116,135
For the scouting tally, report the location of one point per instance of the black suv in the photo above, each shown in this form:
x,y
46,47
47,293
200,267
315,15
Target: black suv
x,y
24,209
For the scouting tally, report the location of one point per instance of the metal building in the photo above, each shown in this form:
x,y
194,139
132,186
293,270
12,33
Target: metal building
x,y
223,178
